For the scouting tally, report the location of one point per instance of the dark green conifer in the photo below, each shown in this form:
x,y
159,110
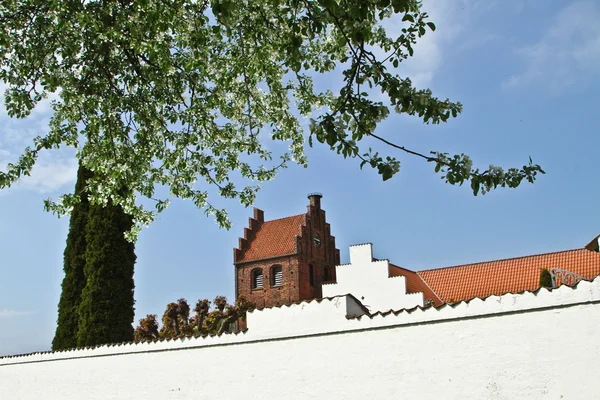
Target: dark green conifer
x,y
107,306
545,278
74,263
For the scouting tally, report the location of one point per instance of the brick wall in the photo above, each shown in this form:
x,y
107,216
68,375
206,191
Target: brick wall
x,y
297,282
270,295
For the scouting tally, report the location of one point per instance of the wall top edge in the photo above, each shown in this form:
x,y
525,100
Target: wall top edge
x,y
584,292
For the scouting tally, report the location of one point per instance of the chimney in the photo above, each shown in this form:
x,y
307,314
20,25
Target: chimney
x,y
315,200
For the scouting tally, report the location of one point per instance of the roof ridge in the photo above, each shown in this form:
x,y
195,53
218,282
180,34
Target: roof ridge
x,y
503,259
418,276
279,219
440,298
406,269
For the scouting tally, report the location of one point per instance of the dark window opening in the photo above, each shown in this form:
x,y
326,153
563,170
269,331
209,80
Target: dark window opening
x,y
276,276
257,279
311,275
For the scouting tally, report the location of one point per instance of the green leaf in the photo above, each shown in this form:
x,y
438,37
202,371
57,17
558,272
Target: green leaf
x,y
475,186
408,17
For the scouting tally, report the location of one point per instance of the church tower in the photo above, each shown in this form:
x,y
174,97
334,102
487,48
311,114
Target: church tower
x,y
286,260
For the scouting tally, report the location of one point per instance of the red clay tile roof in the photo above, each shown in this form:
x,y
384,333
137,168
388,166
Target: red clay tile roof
x,y
274,238
414,283
513,275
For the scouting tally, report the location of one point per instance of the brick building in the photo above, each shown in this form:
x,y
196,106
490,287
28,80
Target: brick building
x,y
286,260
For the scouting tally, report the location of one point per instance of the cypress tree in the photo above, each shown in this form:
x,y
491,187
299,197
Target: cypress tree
x,y
74,263
106,311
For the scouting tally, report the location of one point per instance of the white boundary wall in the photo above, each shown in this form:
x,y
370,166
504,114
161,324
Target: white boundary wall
x,y
525,346
370,283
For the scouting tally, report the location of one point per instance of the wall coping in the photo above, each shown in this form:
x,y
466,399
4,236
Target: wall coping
x,y
330,316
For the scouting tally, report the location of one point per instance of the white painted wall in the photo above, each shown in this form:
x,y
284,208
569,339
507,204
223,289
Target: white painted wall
x,y
370,283
529,346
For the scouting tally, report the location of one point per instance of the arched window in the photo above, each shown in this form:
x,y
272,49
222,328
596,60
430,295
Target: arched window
x,y
311,274
325,274
257,279
276,275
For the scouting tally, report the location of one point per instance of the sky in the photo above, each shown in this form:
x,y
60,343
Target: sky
x,y
528,75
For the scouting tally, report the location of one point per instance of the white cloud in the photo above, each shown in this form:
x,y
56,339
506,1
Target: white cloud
x,y
53,170
9,314
567,52
51,173
427,58
452,18
17,134
44,107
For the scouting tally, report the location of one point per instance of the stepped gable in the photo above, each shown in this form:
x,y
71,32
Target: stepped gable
x,y
286,260
513,275
269,239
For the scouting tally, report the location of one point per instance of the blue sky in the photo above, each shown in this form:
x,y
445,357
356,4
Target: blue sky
x,y
527,73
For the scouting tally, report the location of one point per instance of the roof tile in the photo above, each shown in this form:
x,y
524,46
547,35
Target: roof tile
x,y
414,283
274,238
513,275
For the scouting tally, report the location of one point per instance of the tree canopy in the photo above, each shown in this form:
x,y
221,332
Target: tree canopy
x,y
183,93
177,322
